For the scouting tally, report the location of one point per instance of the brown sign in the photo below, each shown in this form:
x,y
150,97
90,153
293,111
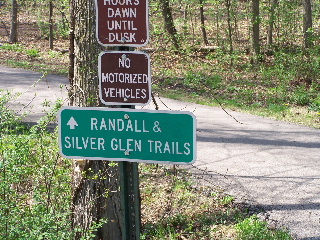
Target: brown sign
x,y
124,78
122,22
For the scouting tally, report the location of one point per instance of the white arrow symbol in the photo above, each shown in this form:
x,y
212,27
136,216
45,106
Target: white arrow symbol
x,y
72,123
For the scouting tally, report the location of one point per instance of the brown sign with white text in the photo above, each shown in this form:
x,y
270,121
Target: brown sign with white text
x,y
122,22
124,78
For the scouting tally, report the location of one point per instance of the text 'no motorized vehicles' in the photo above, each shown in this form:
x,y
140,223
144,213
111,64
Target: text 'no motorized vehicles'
x,y
124,78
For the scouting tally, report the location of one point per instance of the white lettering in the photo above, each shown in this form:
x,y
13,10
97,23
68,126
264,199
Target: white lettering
x,y
122,13
112,124
114,145
129,126
103,124
169,147
126,145
93,143
84,143
94,123
124,77
121,2
158,146
120,124
67,140
166,148
122,37
124,63
125,93
187,150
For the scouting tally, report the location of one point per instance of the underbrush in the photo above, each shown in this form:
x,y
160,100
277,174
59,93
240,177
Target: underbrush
x,y
284,85
35,181
176,207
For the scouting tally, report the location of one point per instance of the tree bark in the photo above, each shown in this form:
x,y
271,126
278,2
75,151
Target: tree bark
x,y
255,28
96,193
203,29
51,25
307,23
168,23
96,198
228,5
274,4
85,55
71,47
13,38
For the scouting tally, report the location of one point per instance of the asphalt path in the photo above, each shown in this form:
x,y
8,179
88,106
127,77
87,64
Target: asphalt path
x,y
38,93
269,164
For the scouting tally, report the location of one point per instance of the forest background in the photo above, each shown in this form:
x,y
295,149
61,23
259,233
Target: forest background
x,y
260,56
255,56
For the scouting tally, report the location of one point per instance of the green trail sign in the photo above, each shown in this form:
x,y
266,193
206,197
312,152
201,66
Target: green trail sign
x,y
127,135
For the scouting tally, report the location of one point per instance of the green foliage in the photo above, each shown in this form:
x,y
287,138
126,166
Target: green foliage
x,y
35,185
54,54
315,104
33,53
13,47
254,229
35,182
21,48
43,27
200,80
179,210
9,121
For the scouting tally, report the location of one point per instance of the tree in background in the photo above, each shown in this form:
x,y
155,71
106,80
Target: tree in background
x,y
228,6
13,38
51,25
307,23
255,27
168,23
202,19
273,5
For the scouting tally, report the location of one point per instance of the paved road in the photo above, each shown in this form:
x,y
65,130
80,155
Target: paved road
x,y
268,163
35,90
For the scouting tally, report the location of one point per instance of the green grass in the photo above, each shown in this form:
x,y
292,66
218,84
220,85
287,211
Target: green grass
x,y
39,67
285,86
26,57
253,229
13,47
175,207
33,53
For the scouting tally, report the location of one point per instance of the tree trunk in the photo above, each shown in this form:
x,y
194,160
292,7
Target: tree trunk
x,y
96,193
96,198
168,23
203,29
71,46
274,4
51,25
228,5
255,28
13,38
85,55
307,23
